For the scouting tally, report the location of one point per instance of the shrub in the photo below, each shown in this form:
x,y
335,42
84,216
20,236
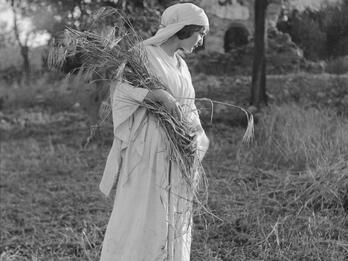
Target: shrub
x,y
338,66
322,34
337,31
310,37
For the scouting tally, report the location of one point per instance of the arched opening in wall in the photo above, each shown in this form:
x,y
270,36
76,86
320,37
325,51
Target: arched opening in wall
x,y
237,35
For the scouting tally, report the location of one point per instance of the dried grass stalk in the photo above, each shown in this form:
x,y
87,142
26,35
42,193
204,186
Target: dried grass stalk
x,y
118,52
249,132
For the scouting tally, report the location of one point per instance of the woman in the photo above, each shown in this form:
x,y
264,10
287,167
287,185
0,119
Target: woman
x,y
152,214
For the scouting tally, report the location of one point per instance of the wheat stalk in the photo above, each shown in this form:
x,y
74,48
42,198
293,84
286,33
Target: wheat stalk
x,y
249,132
118,55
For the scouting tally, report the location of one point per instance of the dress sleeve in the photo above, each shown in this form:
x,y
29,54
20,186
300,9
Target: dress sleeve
x,y
125,101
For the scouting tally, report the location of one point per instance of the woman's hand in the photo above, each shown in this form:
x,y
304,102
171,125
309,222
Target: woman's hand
x,y
202,142
167,100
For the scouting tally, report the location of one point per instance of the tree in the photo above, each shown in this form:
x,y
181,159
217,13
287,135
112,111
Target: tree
x,y
22,43
52,17
258,88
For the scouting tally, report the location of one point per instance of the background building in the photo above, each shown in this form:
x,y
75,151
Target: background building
x,y
230,18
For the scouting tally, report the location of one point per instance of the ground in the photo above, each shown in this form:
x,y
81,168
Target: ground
x,y
282,197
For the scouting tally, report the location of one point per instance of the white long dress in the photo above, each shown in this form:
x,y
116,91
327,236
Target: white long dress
x,y
141,217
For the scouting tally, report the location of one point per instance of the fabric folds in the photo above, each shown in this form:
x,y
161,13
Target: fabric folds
x,y
152,211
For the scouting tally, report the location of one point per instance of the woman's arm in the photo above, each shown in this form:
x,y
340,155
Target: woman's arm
x,y
167,100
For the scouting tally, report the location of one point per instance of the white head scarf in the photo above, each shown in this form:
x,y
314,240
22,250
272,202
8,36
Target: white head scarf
x,y
174,18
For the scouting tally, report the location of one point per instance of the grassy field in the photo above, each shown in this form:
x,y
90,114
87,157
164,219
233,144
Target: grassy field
x,y
283,197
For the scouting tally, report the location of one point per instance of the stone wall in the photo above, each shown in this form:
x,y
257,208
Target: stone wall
x,y
223,16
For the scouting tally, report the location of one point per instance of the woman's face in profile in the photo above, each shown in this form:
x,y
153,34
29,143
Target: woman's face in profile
x,y
195,40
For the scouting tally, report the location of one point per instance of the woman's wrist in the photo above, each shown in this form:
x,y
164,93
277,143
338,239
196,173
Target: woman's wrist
x,y
167,100
157,95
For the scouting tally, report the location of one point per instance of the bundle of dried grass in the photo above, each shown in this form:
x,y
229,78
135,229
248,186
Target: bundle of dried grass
x,y
116,55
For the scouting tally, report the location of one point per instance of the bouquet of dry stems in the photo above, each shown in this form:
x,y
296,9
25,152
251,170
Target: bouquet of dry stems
x,y
118,55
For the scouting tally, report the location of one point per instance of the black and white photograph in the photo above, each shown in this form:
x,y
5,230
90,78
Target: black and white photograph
x,y
173,130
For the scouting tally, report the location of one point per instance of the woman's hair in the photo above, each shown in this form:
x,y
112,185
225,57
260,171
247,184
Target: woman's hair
x,y
188,30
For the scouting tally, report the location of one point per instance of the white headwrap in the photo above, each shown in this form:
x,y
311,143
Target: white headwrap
x,y
174,18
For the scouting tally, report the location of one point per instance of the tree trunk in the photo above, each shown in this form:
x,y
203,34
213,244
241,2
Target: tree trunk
x,y
26,64
24,49
258,88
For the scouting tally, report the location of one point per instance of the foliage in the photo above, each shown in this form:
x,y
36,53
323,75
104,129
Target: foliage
x,y
322,34
77,13
337,30
5,36
118,56
50,18
338,65
309,32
